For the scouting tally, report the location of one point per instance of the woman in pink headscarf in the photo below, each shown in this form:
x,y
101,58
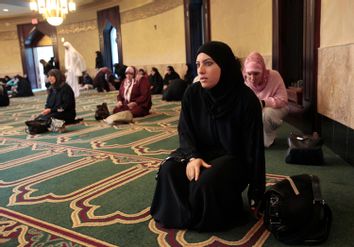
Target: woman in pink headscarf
x,y
134,94
270,89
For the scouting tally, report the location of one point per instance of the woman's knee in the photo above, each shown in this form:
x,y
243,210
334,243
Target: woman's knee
x,y
170,168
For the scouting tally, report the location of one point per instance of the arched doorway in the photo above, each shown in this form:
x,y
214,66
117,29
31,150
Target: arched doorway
x,y
197,25
111,53
296,40
108,22
30,37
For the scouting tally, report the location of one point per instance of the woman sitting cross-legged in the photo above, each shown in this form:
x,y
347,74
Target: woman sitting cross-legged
x,y
60,100
221,151
134,94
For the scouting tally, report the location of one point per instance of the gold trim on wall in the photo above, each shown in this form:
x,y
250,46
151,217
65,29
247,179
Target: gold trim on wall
x,y
151,9
78,27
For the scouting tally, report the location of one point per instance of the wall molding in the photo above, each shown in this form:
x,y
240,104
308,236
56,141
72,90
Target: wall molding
x,y
151,9
78,27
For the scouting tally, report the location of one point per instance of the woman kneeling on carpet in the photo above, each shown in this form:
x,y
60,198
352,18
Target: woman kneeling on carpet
x,y
60,101
221,152
134,94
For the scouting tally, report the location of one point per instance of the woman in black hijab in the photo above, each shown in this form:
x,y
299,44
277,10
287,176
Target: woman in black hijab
x,y
156,81
221,150
60,101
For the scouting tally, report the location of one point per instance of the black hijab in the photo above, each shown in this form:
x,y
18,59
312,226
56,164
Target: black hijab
x,y
60,78
221,98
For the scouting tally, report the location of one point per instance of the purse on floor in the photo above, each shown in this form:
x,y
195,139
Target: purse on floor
x,y
102,111
295,212
304,149
36,126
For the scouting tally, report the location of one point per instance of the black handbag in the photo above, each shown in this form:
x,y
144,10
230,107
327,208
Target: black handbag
x,y
102,111
304,149
295,212
37,126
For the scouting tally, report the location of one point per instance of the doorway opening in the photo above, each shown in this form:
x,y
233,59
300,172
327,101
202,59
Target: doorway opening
x,y
114,46
110,53
45,53
197,28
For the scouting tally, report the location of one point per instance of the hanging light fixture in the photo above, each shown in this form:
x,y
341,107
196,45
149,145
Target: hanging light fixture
x,y
54,11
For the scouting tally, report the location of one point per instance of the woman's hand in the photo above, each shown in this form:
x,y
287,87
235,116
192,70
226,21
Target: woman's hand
x,y
46,111
131,105
119,104
193,168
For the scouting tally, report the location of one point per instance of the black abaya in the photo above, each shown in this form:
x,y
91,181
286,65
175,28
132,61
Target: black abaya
x,y
232,144
222,126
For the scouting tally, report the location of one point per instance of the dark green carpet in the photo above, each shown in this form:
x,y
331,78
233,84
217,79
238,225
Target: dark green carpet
x,y
92,185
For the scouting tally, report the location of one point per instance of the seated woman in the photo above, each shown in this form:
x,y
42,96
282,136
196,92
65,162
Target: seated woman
x,y
174,86
87,82
134,94
60,100
175,90
170,74
24,88
4,97
270,89
11,86
156,81
220,154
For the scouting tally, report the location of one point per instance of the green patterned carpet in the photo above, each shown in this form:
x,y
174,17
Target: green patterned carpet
x,y
93,184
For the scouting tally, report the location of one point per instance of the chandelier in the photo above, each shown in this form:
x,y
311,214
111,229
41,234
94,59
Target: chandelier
x,y
54,11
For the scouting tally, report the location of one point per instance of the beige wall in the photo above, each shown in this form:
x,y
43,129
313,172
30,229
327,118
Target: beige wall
x,y
245,25
10,62
156,40
336,62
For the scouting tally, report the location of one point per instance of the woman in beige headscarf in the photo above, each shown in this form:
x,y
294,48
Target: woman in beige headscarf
x,y
74,65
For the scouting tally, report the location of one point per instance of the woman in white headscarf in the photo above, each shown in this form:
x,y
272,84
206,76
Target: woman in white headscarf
x,y
74,65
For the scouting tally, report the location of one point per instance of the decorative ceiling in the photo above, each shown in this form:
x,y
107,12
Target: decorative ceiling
x,y
18,8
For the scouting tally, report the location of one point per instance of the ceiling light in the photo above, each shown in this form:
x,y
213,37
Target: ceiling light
x,y
54,11
5,10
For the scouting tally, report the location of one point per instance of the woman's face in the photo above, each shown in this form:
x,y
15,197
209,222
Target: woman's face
x,y
129,75
209,71
254,77
52,79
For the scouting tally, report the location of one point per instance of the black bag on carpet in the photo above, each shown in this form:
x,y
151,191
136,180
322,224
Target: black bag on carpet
x,y
304,149
295,212
37,126
102,112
